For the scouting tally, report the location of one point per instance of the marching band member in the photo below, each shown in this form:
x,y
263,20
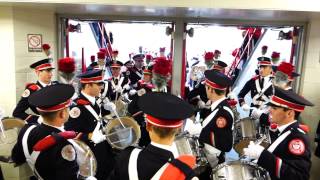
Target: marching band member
x,y
135,74
48,148
43,69
144,86
85,117
160,159
217,126
260,86
288,157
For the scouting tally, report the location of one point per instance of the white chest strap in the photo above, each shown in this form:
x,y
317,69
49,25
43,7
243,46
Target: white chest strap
x,y
261,91
30,158
208,118
133,164
93,112
139,74
119,83
106,87
275,144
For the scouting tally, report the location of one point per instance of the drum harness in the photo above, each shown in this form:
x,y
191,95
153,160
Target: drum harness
x,y
133,169
260,93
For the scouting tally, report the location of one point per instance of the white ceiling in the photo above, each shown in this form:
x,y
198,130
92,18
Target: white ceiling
x,y
194,14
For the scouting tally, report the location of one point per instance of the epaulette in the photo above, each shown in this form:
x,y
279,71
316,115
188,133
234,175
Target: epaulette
x,y
82,102
32,86
255,77
141,81
150,86
53,139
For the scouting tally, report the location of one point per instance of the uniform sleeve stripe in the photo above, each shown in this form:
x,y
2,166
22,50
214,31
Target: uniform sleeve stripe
x,y
278,167
212,139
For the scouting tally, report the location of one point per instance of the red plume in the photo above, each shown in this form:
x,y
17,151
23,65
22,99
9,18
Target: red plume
x,y
275,55
217,51
208,56
162,66
66,65
101,55
148,56
286,68
46,47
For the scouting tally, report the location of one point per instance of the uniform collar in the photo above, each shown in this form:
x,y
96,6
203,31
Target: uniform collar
x,y
283,127
216,103
172,148
56,127
90,98
43,84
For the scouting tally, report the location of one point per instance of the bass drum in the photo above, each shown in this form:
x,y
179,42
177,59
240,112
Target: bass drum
x,y
120,137
239,170
85,159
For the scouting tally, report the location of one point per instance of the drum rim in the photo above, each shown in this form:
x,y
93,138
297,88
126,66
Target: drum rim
x,y
238,162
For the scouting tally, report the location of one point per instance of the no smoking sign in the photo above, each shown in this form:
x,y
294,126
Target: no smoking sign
x,y
34,42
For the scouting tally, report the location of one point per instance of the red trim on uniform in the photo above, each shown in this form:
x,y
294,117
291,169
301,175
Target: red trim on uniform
x,y
56,107
264,63
49,141
212,138
214,85
115,65
278,167
82,102
162,123
91,80
147,72
26,119
44,66
294,106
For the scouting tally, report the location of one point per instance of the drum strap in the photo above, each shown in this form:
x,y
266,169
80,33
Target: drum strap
x,y
93,112
138,73
106,86
260,92
275,144
30,158
208,118
132,166
119,83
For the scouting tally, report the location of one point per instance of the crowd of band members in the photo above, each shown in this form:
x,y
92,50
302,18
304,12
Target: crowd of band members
x,y
144,86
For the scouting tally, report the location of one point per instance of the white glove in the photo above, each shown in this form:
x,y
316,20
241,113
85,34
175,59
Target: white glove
x,y
245,107
118,89
91,178
141,92
97,136
201,104
132,92
110,106
253,151
126,87
256,113
231,95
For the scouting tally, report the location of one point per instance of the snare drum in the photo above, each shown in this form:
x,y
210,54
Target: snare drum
x,y
188,145
244,132
239,170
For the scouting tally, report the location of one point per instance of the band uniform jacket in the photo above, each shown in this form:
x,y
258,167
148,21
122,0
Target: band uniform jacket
x,y
218,132
134,109
251,86
23,104
291,158
150,160
134,75
112,83
50,164
81,120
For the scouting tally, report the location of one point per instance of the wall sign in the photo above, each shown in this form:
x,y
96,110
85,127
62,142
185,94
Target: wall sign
x,y
34,42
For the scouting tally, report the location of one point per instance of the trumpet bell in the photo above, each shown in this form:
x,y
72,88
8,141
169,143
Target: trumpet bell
x,y
120,137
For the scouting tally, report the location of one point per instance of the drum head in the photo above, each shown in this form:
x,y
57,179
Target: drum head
x,y
11,127
120,137
85,159
244,143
